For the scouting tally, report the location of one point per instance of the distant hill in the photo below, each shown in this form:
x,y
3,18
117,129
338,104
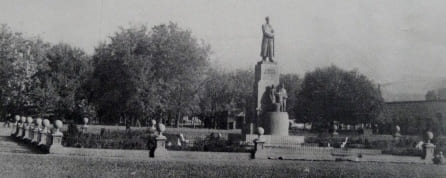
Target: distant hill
x,y
411,88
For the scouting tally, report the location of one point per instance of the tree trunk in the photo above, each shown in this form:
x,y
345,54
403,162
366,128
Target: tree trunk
x,y
169,118
177,120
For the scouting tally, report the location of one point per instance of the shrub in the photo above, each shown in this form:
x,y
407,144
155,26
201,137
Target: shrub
x,y
71,136
403,151
107,139
139,140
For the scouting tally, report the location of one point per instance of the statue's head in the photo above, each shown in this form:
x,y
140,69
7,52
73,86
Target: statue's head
x,y
267,19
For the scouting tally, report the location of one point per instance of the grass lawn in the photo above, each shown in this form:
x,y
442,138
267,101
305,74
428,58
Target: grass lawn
x,y
27,165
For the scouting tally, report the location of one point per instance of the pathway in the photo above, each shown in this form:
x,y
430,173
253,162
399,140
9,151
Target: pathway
x,y
9,145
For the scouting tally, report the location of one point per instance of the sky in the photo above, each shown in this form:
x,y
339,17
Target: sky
x,y
387,40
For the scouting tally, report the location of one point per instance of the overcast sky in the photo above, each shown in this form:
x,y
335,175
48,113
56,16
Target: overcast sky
x,y
387,40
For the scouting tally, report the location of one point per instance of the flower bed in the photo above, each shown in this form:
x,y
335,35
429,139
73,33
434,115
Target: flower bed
x,y
404,146
138,140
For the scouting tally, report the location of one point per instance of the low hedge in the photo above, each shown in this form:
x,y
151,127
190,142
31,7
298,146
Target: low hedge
x,y
403,151
138,140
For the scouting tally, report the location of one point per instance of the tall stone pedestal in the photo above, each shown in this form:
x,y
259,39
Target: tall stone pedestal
x,y
266,75
56,143
259,150
429,149
161,151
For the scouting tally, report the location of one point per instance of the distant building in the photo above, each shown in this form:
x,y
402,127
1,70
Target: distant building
x,y
226,120
414,117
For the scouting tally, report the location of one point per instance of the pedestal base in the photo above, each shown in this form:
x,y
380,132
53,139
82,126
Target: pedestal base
x,y
259,152
161,151
428,152
276,123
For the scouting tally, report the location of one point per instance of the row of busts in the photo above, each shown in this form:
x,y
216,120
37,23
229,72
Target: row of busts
x,y
160,128
41,124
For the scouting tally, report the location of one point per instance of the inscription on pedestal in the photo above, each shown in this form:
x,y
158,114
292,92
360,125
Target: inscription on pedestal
x,y
269,74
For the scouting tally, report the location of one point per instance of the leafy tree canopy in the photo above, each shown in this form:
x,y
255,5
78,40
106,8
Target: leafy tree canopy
x,y
142,72
332,94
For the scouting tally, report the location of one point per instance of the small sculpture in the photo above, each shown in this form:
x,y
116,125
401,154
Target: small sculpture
x,y
58,125
15,125
39,122
344,143
335,130
38,126
429,136
85,120
161,129
152,129
29,120
397,131
272,95
23,120
46,124
153,122
281,97
260,132
439,158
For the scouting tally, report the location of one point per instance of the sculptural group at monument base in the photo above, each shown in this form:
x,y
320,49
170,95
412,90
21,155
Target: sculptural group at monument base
x,y
278,97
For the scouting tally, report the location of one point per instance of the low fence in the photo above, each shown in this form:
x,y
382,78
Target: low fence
x,y
299,152
48,139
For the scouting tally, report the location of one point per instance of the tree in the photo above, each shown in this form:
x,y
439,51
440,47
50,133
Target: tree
x,y
244,82
225,91
142,72
215,96
122,76
438,94
441,93
292,84
40,79
180,62
58,88
332,94
20,59
431,95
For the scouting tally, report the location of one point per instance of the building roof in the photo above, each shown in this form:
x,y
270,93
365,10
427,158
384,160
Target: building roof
x,y
416,101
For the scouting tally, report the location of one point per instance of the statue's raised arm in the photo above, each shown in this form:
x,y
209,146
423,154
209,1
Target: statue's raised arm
x,y
268,31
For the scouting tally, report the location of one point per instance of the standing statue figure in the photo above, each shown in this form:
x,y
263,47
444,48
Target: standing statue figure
x,y
272,95
267,48
281,97
277,98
